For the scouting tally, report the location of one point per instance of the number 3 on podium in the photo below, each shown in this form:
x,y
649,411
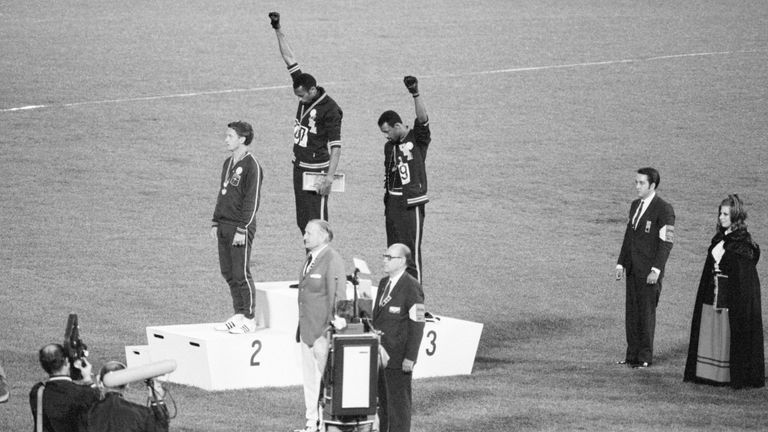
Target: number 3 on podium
x,y
432,339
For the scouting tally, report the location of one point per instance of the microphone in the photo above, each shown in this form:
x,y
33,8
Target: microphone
x,y
139,373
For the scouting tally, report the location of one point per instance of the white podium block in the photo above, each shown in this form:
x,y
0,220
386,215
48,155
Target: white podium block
x,y
215,360
277,306
270,357
137,355
448,347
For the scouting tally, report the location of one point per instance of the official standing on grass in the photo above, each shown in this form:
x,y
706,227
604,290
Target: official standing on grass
x,y
399,314
322,282
234,225
647,242
405,176
726,345
316,136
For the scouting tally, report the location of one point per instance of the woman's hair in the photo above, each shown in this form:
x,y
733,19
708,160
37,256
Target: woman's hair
x,y
738,212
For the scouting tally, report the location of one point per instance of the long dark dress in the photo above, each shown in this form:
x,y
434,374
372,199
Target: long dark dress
x,y
747,359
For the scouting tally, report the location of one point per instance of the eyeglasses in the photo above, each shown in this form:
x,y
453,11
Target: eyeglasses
x,y
390,257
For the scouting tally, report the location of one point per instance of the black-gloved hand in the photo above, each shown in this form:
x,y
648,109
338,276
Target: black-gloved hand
x,y
274,19
412,84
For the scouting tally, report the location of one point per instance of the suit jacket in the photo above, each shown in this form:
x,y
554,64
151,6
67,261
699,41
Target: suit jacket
x,y
401,319
324,284
648,245
65,404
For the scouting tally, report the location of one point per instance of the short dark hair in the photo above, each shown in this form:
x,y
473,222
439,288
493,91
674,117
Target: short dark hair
x,y
389,117
304,80
243,129
738,212
652,174
52,358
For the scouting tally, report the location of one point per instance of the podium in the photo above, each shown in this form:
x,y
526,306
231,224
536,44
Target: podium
x,y
448,347
215,360
270,356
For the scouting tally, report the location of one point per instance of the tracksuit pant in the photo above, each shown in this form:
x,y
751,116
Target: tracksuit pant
x,y
309,204
405,225
235,267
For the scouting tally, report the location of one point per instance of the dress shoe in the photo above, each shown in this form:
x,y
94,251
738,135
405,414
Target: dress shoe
x,y
642,365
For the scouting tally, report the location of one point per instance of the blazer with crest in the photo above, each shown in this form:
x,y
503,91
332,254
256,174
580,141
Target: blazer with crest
x,y
319,289
401,319
648,245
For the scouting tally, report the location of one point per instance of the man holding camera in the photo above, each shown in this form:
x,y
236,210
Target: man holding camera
x,y
60,404
115,414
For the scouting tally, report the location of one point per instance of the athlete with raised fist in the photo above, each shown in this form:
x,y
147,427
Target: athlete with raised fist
x,y
316,135
405,174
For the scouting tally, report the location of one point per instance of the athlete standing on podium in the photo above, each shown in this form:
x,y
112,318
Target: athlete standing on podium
x,y
234,225
405,176
316,136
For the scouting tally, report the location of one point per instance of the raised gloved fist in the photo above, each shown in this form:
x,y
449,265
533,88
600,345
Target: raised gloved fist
x,y
412,84
274,19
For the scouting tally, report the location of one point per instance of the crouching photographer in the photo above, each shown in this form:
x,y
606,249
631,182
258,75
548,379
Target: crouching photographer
x,y
115,414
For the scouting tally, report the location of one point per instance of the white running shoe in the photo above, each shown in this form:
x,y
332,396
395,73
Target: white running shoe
x,y
231,323
244,326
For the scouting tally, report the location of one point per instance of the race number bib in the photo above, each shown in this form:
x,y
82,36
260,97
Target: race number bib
x,y
405,172
299,134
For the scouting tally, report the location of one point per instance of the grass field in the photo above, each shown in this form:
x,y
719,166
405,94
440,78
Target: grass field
x,y
112,116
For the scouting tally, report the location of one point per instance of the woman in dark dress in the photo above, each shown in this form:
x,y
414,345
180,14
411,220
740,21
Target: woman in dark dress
x,y
726,346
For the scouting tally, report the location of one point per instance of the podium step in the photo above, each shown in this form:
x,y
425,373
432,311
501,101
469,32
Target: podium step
x,y
214,360
270,357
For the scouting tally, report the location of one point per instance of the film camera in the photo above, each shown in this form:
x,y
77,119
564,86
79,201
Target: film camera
x,y
74,348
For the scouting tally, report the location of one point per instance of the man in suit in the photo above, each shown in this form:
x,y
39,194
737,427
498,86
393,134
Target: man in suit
x,y
399,314
647,242
60,404
322,282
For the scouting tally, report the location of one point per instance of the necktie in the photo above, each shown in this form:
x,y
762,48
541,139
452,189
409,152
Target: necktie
x,y
637,215
307,264
385,296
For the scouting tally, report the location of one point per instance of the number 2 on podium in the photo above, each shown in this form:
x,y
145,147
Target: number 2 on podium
x,y
256,344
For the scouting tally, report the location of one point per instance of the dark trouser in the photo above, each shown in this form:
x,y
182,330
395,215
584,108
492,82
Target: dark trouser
x,y
641,303
309,204
235,267
405,225
394,400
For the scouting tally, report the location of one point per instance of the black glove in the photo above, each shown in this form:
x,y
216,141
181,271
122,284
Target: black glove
x,y
274,18
412,84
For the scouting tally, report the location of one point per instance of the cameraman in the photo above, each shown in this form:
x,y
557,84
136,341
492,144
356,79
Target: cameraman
x,y
60,404
115,414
